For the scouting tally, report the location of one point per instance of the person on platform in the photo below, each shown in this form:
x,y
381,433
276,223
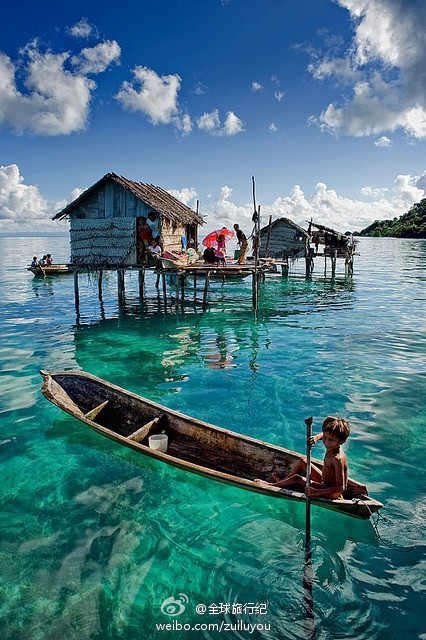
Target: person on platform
x,y
242,242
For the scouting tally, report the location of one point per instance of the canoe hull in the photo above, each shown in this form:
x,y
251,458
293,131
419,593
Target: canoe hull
x,y
54,270
194,445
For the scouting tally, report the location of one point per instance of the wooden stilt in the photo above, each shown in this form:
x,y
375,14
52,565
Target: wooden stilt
x,y
206,288
333,263
164,290
76,293
255,285
141,280
182,285
120,286
100,285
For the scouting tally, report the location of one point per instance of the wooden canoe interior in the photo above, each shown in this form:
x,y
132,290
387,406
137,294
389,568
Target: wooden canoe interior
x,y
189,440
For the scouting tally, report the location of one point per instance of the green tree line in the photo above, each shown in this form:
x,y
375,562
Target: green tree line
x,y
410,225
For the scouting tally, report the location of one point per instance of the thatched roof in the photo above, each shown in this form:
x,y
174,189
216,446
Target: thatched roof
x,y
156,197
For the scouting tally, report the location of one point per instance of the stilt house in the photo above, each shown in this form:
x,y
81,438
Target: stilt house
x,y
104,221
329,242
283,239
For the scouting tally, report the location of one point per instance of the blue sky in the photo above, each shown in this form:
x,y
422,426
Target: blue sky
x,y
323,101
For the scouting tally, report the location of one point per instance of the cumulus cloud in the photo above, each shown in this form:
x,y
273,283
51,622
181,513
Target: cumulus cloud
x,y
82,29
383,141
324,205
22,206
210,123
256,86
187,195
385,66
98,58
151,94
57,99
183,124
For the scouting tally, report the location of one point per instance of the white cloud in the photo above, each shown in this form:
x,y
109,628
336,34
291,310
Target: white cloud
x,y
57,99
232,124
151,94
200,89
23,207
82,29
187,195
273,127
183,124
210,123
385,65
256,86
383,141
279,95
324,205
98,58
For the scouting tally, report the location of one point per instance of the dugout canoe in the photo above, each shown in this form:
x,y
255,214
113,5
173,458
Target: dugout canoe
x,y
193,445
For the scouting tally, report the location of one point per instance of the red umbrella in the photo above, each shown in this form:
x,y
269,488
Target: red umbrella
x,y
211,239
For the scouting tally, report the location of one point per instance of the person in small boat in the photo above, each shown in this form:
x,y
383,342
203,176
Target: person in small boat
x,y
49,260
332,480
34,263
242,242
43,262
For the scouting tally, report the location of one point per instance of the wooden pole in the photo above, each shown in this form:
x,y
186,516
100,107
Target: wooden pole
x,y
120,286
268,240
206,288
308,604
308,423
164,290
100,285
141,280
76,295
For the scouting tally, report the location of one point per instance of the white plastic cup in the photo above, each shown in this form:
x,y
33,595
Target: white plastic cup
x,y
159,442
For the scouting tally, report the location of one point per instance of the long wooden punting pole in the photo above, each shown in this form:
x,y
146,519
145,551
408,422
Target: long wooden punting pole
x,y
308,603
256,246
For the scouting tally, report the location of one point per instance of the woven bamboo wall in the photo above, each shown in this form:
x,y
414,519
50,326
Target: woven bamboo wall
x,y
98,242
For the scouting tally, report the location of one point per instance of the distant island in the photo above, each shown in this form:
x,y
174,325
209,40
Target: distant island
x,y
410,225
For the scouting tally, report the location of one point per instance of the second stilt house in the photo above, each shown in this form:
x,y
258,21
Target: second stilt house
x,y
105,219
283,239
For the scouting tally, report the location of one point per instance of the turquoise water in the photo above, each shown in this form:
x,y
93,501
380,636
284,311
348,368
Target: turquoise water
x,y
94,538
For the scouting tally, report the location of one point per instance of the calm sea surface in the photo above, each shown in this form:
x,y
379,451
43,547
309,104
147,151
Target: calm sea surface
x,y
94,538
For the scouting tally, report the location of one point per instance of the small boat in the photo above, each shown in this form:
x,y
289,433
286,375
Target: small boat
x,y
53,270
192,445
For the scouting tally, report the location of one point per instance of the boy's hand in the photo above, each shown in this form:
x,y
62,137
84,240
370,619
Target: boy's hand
x,y
314,439
310,492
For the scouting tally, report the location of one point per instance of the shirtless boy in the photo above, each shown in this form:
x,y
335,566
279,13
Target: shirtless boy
x,y
331,482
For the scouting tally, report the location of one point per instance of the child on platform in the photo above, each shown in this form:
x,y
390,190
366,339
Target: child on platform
x,y
332,480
